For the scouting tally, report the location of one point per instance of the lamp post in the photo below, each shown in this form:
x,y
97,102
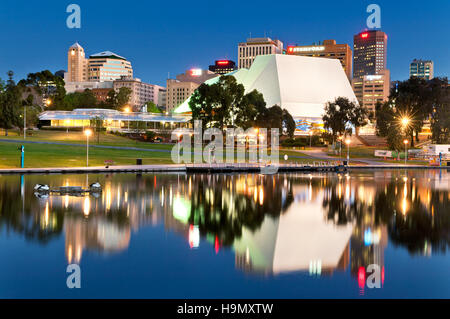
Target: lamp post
x,y
127,110
88,133
406,150
347,141
24,122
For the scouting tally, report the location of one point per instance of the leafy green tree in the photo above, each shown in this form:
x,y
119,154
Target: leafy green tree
x,y
152,108
388,126
117,99
48,86
10,102
80,100
202,103
32,112
341,114
97,123
251,106
440,117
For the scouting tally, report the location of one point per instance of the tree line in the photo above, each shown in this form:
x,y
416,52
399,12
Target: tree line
x,y
410,105
224,104
45,91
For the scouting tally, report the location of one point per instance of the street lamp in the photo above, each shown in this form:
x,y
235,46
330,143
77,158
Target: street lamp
x,y
405,121
347,141
310,138
24,122
406,150
127,110
88,133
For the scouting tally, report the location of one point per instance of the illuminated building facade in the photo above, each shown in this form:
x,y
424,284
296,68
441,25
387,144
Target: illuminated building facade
x,y
181,88
100,67
112,120
328,49
301,85
108,66
248,51
141,92
223,67
369,53
77,70
372,89
421,69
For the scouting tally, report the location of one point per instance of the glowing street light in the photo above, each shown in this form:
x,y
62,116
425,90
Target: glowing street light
x,y
405,122
347,141
127,110
406,150
88,133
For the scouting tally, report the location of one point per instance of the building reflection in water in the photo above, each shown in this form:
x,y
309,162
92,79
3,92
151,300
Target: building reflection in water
x,y
285,223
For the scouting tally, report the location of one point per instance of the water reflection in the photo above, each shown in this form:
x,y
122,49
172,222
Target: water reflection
x,y
317,224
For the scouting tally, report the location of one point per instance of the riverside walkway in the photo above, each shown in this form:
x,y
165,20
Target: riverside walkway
x,y
213,168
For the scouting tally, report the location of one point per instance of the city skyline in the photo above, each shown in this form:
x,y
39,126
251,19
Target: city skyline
x,y
157,48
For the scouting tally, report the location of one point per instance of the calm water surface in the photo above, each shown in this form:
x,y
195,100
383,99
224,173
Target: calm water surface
x,y
229,236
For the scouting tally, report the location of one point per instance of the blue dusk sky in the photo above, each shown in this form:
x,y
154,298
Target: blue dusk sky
x,y
161,37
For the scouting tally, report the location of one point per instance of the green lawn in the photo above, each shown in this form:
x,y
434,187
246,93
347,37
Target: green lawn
x,y
105,139
46,155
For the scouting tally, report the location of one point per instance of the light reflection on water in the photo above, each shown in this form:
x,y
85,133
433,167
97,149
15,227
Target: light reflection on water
x,y
319,225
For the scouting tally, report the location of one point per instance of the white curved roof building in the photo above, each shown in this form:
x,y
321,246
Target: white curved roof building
x,y
301,85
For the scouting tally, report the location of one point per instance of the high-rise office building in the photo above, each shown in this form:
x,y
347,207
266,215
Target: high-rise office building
x,y
328,49
100,67
77,70
371,79
223,67
247,51
421,69
108,66
371,89
369,53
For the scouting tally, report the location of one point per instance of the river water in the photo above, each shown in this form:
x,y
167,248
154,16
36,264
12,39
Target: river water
x,y
366,234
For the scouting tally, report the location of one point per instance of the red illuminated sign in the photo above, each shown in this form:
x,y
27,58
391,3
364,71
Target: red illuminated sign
x,y
364,35
290,49
223,62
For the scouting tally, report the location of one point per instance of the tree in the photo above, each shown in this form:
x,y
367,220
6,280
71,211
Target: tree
x,y
48,86
251,106
152,108
10,101
80,100
202,103
32,112
388,126
117,99
97,124
440,117
342,114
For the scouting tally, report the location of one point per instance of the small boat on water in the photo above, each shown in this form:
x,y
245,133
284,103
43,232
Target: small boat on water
x,y
43,191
